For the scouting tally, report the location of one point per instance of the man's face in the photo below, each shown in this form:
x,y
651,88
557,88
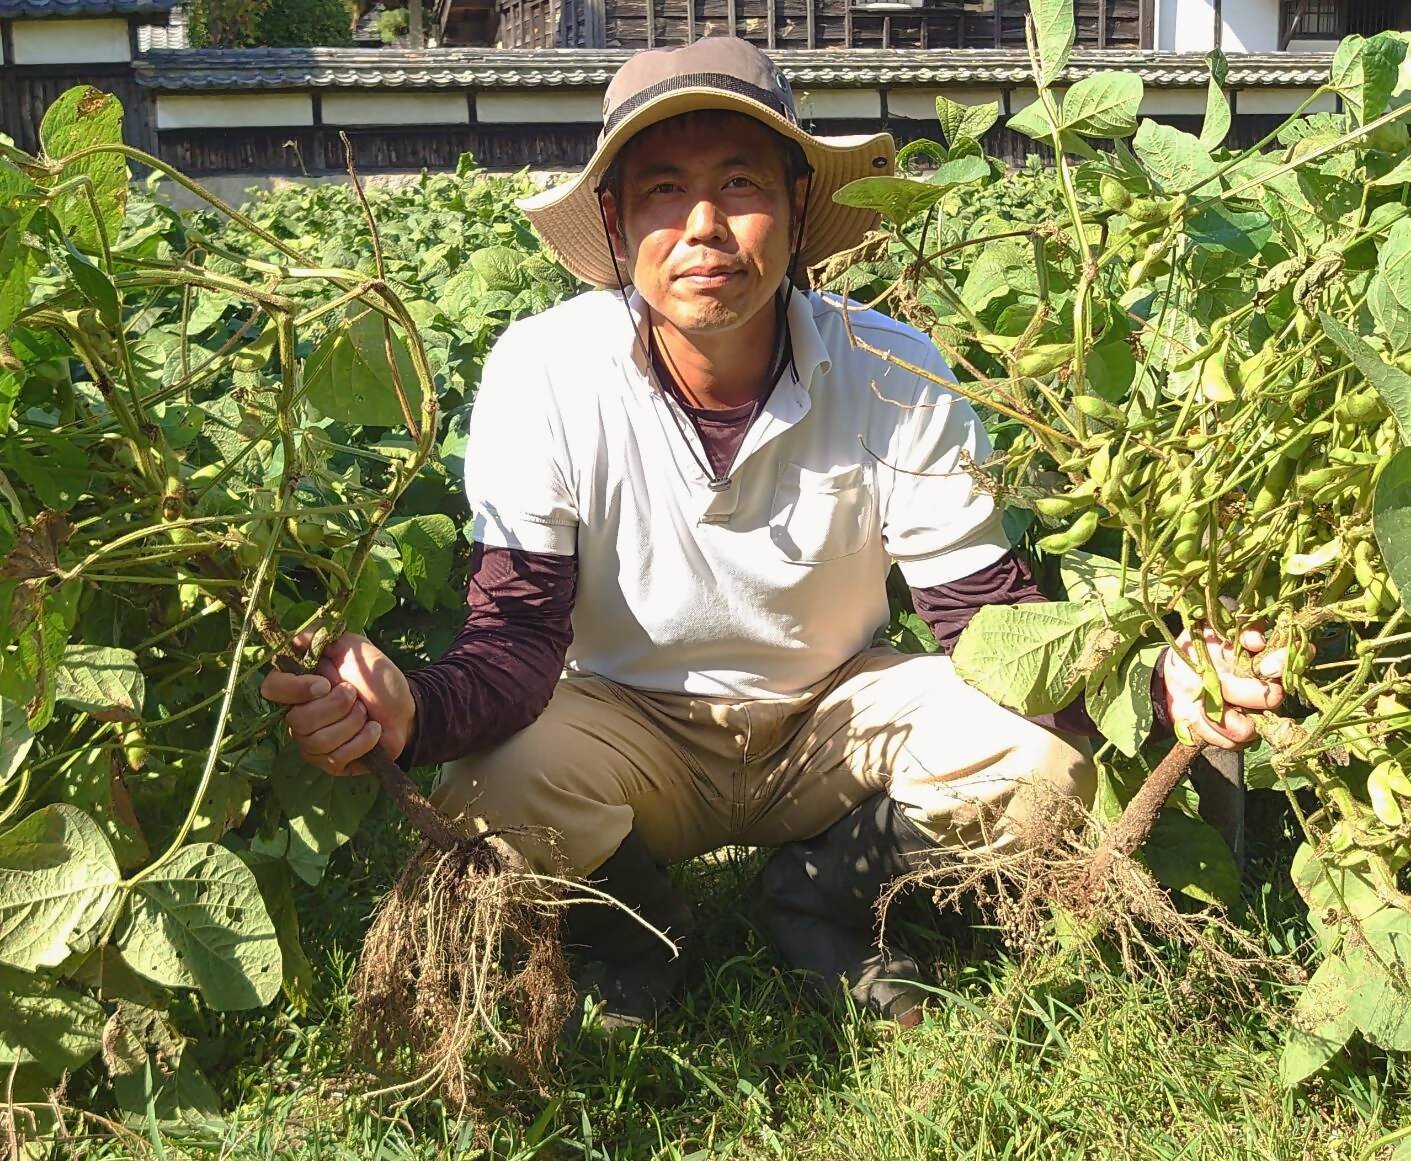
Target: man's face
x,y
706,216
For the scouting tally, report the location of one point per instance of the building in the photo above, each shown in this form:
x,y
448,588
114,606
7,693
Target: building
x,y
47,46
1159,25
534,96
1271,25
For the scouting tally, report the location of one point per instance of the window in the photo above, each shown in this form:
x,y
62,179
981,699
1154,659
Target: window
x,y
1303,19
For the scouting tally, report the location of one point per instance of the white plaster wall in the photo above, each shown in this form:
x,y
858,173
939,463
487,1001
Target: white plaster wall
x,y
1282,101
841,104
1172,102
530,107
1189,25
49,42
920,104
395,109
226,110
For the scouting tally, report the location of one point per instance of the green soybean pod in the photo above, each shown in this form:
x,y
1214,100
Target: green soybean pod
x,y
1270,491
1078,535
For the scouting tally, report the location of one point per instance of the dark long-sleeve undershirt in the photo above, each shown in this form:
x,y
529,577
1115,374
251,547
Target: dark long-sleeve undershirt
x,y
498,675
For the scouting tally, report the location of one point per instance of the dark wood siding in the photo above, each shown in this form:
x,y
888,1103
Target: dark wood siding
x,y
28,90
635,24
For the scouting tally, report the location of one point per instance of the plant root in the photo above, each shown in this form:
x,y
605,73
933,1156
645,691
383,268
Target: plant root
x,y
463,955
1066,887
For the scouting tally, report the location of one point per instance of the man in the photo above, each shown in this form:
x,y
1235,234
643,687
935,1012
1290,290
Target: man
x,y
691,487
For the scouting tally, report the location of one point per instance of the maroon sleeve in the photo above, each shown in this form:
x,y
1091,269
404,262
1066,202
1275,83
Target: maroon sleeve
x,y
948,608
499,673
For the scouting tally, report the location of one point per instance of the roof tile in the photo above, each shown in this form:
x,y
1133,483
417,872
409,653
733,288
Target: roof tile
x,y
450,68
15,9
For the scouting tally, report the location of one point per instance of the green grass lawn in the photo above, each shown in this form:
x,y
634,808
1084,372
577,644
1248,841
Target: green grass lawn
x,y
1091,1065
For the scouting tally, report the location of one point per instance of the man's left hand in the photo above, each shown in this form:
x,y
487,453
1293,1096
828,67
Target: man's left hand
x,y
1259,688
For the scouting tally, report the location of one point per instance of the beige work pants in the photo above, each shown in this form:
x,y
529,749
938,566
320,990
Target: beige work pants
x,y
695,773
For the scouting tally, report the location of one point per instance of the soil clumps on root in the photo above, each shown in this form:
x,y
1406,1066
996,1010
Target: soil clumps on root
x,y
463,955
1053,895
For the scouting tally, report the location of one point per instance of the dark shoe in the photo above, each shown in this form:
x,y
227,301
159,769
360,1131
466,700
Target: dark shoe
x,y
630,969
817,899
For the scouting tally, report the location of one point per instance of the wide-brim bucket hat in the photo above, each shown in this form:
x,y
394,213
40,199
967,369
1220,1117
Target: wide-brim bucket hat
x,y
718,72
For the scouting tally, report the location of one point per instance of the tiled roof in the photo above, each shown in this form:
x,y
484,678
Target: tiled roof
x,y
453,68
14,9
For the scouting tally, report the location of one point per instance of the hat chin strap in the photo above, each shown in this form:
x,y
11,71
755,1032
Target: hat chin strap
x,y
716,484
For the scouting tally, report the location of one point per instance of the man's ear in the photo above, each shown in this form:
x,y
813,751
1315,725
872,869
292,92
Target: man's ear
x,y
616,239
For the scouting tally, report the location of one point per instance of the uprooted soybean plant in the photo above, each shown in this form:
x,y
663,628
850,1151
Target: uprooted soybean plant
x,y
226,427
1197,373
221,432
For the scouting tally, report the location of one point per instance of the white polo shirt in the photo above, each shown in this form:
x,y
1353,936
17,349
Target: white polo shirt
x,y
758,591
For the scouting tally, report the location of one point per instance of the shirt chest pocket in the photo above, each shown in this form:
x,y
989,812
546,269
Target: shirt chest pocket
x,y
821,516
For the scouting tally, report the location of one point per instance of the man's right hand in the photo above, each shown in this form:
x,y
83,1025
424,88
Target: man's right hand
x,y
355,700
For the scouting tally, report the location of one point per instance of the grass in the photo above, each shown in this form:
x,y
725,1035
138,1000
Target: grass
x,y
1087,1064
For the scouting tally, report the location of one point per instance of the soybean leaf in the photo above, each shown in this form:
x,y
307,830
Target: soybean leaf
x,y
1394,262
323,812
223,807
130,1032
959,171
1032,121
252,356
1391,383
1189,856
375,591
1331,890
17,267
54,466
1377,1004
9,392
1111,368
1243,233
92,783
102,680
348,377
499,268
1216,126
1391,520
15,183
1054,34
1388,933
93,283
199,922
1103,105
58,878
1033,658
1320,1023
40,1023
899,199
1120,702
85,118
1399,174
112,978
960,121
1178,161
169,1092
1364,73
15,739
1004,266
277,890
426,544
39,647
